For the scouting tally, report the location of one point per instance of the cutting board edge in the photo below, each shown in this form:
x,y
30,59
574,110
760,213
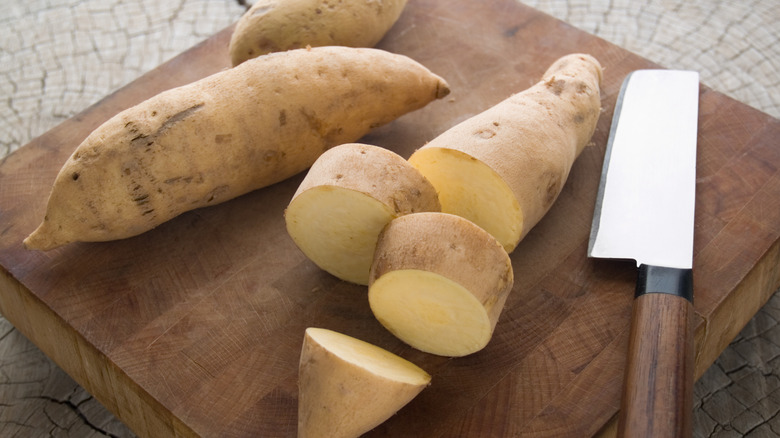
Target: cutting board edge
x,y
138,409
762,279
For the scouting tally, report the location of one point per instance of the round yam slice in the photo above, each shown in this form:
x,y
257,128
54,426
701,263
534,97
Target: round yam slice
x,y
348,386
439,282
350,193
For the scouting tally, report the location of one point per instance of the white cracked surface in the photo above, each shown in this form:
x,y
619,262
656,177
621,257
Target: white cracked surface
x,y
57,57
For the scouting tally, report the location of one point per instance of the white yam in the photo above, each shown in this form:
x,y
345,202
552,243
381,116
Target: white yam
x,y
504,168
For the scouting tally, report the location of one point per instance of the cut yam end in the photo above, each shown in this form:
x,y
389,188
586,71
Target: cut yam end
x,y
431,312
348,386
337,228
351,192
439,283
471,189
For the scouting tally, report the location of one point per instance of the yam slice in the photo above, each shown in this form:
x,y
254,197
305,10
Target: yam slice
x,y
348,386
439,282
348,196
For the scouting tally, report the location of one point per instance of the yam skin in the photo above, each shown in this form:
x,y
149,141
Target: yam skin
x,y
347,386
504,168
279,25
348,196
225,135
439,283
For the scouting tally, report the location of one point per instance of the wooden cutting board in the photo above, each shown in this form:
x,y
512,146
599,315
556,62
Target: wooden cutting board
x,y
195,328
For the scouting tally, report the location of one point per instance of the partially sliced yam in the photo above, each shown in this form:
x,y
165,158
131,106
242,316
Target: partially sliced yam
x,y
470,188
348,196
439,283
348,386
504,168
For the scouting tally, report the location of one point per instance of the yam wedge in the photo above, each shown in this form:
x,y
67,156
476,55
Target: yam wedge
x,y
348,387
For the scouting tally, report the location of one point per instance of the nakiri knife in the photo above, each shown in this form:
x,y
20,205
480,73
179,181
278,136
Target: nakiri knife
x,y
645,212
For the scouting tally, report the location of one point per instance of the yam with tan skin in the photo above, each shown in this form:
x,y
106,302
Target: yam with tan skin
x,y
347,387
348,196
439,283
504,168
279,25
225,135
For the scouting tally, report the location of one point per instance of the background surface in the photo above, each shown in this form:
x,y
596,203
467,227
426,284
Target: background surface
x,y
59,56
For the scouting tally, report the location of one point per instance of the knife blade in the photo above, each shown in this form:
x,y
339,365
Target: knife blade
x,y
645,212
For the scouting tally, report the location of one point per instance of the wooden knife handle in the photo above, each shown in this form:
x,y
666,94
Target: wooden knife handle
x,y
658,386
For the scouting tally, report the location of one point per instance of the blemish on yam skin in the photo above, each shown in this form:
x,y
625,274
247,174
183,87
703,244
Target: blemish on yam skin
x,y
265,45
582,87
217,193
97,227
223,138
397,208
179,179
556,86
553,189
178,117
512,31
311,119
485,133
141,139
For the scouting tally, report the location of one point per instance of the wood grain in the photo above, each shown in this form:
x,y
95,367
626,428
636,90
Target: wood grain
x,y
657,398
195,327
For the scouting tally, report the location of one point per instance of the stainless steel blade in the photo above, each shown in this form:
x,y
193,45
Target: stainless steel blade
x,y
645,204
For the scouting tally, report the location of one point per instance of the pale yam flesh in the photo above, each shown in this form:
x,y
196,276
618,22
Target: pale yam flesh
x,y
347,197
504,168
274,26
235,131
439,283
348,387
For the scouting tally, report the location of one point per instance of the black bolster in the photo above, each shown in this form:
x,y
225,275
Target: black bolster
x,y
658,279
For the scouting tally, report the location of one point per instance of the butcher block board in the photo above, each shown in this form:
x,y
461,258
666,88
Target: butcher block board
x,y
195,328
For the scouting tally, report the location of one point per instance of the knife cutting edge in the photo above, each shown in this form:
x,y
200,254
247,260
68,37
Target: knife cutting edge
x,y
645,212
